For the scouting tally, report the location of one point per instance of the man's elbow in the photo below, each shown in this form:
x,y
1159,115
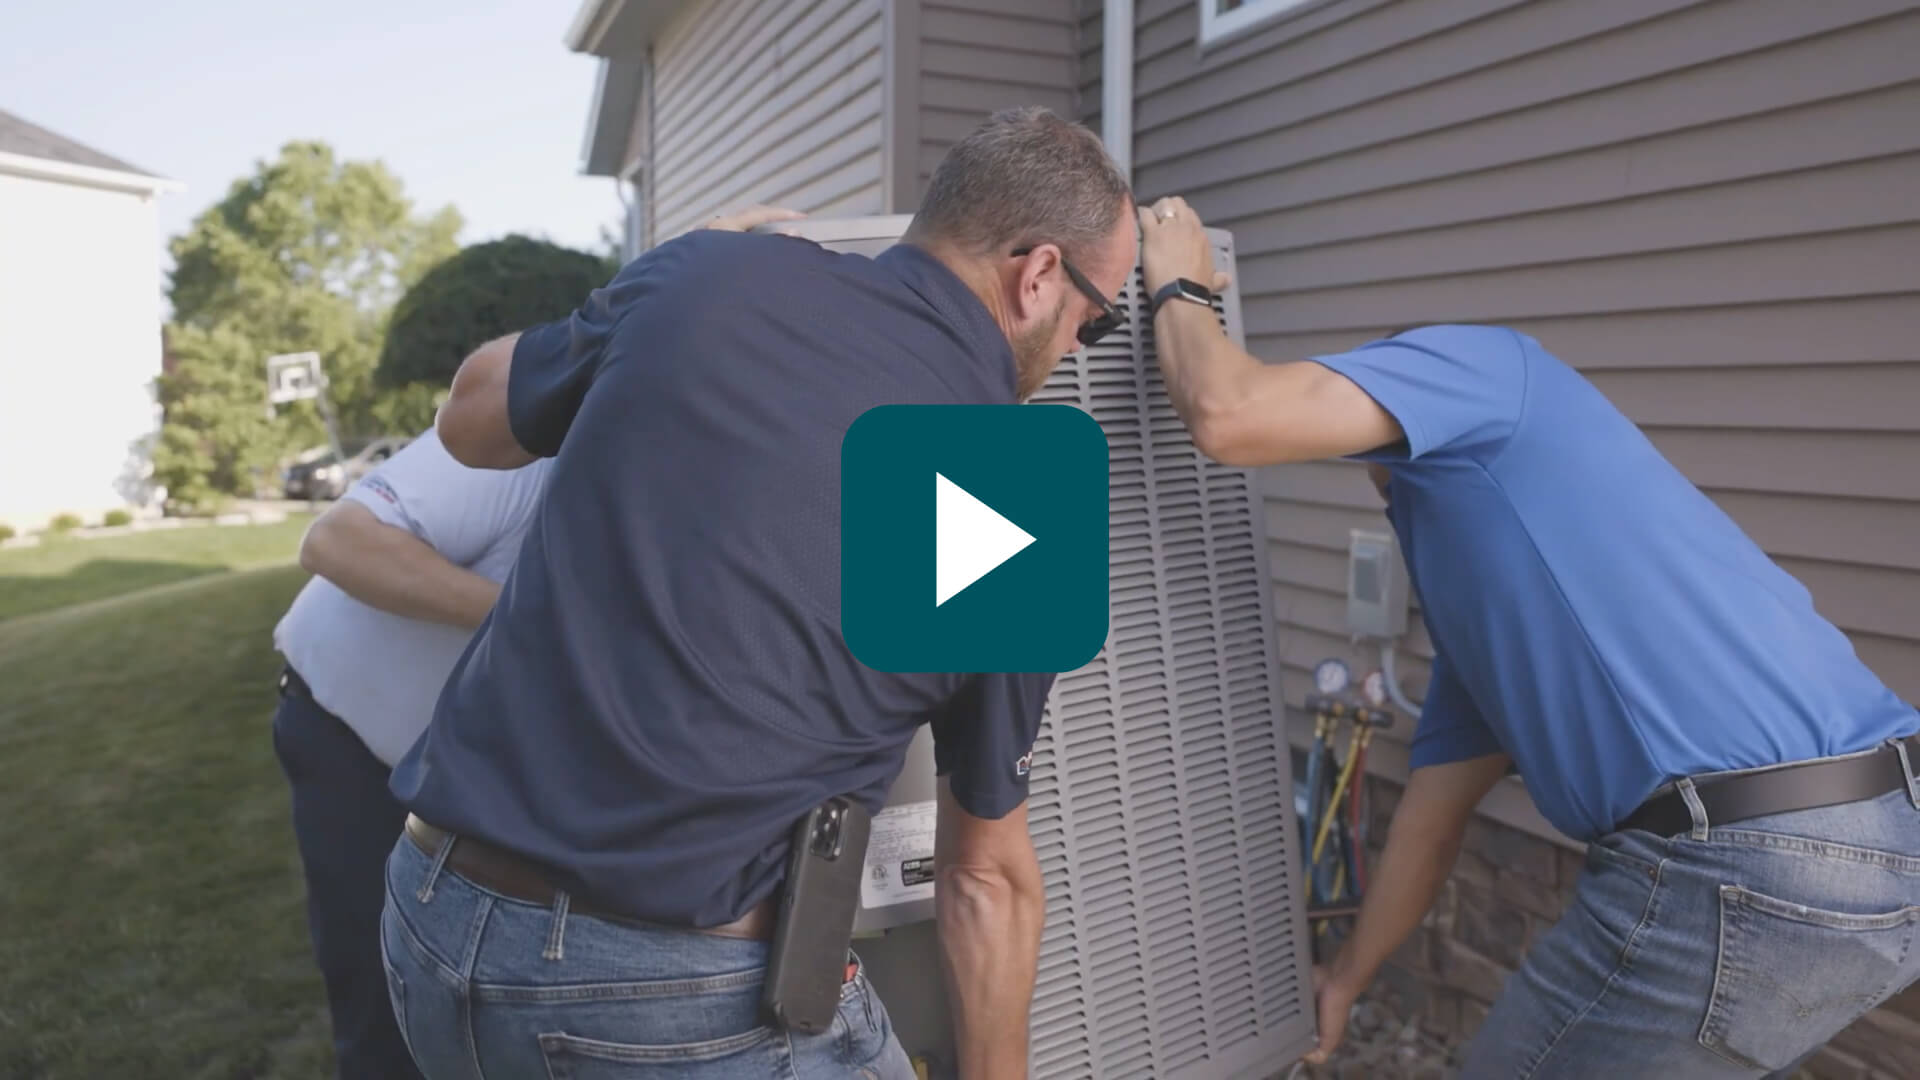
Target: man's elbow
x,y
317,547
1221,432
473,424
460,433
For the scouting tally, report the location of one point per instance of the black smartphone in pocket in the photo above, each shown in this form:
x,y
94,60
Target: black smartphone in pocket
x,y
808,963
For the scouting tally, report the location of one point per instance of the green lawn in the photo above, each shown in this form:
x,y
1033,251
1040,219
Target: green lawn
x,y
152,919
67,570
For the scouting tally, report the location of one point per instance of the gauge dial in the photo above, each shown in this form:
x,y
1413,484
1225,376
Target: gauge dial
x,y
1374,689
1332,676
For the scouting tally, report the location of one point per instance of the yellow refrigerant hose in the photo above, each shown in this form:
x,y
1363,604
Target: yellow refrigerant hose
x,y
1339,788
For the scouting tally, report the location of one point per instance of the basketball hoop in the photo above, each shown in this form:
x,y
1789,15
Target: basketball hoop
x,y
299,377
294,377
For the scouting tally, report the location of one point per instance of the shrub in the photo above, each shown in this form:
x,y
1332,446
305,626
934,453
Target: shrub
x,y
115,518
6,533
64,523
484,292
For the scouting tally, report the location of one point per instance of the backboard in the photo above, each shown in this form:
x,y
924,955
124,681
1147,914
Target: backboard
x,y
294,377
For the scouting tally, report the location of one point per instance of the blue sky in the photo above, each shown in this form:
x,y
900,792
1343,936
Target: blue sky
x,y
471,102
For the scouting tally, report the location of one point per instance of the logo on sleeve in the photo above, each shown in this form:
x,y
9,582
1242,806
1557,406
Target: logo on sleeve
x,y
1024,765
379,486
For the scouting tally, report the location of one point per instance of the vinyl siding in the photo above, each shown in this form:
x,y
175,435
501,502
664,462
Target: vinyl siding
x,y
767,101
976,56
1707,207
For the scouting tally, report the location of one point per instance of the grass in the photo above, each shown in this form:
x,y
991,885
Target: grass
x,y
152,911
67,570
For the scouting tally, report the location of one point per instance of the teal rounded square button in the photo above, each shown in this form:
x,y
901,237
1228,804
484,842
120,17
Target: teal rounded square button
x,y
974,538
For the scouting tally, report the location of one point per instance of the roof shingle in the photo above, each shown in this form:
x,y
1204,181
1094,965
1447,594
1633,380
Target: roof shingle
x,y
17,136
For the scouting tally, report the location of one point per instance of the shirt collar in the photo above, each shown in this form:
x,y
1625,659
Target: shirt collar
x,y
957,306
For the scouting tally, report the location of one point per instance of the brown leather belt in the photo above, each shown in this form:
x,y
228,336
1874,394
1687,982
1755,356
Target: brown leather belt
x,y
1805,785
521,879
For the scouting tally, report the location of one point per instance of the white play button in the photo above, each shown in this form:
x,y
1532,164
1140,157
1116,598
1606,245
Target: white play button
x,y
969,539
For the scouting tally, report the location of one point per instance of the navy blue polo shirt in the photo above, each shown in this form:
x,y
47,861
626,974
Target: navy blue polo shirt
x,y
1594,615
663,688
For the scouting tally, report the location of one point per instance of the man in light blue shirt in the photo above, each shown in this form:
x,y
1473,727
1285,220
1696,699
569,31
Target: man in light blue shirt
x,y
1745,784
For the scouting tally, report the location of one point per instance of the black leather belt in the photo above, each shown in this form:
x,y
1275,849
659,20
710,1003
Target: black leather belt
x,y
1804,786
520,879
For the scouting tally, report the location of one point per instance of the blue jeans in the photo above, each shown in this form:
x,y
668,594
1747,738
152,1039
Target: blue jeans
x,y
344,821
1731,951
491,988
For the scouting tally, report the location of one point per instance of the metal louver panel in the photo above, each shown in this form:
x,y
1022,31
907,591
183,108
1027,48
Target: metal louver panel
x,y
1191,939
1161,803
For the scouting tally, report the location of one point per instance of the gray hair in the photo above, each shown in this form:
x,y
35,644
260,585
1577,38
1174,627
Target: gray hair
x,y
1024,177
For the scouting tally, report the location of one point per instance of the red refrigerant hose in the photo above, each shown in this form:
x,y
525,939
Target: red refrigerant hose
x,y
1358,833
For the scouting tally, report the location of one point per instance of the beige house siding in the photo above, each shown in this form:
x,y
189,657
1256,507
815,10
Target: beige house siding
x,y
1707,207
767,101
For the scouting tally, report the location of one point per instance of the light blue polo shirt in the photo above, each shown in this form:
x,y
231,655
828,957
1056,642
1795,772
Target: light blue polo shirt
x,y
1594,615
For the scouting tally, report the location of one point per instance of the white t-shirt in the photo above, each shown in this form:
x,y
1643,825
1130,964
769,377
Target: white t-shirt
x,y
382,673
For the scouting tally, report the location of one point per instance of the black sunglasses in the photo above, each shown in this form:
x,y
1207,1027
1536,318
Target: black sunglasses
x,y
1109,319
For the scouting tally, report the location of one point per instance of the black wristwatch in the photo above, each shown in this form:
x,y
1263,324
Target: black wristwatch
x,y
1184,289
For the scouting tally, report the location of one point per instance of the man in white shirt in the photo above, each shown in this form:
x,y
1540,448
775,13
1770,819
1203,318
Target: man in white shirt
x,y
407,564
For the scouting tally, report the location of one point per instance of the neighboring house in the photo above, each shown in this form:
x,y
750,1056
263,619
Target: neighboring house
x,y
1707,207
79,326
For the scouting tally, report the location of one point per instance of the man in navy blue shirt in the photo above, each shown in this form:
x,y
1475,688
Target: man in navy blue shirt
x,y
1668,694
602,803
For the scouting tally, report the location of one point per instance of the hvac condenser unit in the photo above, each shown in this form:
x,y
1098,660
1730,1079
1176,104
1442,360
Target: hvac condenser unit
x,y
1175,943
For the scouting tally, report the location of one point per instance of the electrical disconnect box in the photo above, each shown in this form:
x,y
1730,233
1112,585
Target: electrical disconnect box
x,y
1161,804
1376,586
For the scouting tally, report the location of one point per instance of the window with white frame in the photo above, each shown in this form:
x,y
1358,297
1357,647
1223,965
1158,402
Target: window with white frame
x,y
1221,19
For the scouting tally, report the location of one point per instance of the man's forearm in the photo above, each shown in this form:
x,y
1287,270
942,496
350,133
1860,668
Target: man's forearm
x,y
394,571
1205,372
990,941
1412,869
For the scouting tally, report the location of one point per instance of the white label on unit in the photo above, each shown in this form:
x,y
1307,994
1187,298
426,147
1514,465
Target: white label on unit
x,y
899,856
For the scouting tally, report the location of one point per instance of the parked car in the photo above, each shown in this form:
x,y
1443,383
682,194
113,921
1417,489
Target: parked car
x,y
319,474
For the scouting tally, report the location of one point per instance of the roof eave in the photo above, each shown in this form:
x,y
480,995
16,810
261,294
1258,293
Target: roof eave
x,y
616,96
617,29
86,175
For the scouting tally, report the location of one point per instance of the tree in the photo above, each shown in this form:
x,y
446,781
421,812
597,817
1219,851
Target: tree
x,y
308,253
218,430
480,294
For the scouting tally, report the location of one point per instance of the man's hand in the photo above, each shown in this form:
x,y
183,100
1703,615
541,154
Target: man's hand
x,y
1422,843
1334,998
1174,244
752,217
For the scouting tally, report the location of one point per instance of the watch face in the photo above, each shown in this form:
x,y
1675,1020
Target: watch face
x,y
1331,676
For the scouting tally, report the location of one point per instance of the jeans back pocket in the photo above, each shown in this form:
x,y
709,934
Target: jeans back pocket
x,y
760,1052
1789,976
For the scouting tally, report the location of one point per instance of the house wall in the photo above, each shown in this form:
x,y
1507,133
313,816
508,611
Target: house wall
x,y
1703,207
79,345
1706,207
769,101
978,56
